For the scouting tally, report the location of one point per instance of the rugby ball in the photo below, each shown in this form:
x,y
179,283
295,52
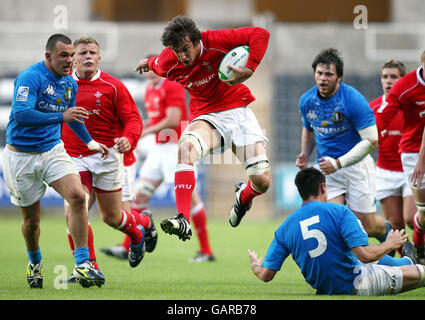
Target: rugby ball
x,y
237,57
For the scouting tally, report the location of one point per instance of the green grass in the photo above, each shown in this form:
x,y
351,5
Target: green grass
x,y
164,274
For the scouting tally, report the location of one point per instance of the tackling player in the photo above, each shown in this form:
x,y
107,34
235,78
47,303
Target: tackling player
x,y
408,95
392,189
338,120
331,248
165,103
34,157
114,120
219,116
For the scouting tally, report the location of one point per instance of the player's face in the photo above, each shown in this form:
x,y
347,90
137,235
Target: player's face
x,y
60,59
86,60
187,52
389,76
326,79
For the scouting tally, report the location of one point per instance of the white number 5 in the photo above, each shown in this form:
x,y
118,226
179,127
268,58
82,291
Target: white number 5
x,y
315,233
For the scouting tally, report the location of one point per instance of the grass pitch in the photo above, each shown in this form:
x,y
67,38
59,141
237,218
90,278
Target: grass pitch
x,y
164,274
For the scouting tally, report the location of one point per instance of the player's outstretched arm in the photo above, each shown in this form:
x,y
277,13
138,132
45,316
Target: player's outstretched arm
x,y
262,273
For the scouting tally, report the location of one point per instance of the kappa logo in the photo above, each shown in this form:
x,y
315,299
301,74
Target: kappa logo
x,y
49,90
311,115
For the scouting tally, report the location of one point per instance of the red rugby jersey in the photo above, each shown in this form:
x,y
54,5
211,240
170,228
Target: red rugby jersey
x,y
207,92
158,99
388,155
408,95
113,114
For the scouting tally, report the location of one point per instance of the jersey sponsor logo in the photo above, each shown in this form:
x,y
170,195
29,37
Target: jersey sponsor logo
x,y
50,91
201,82
22,94
43,105
328,131
419,103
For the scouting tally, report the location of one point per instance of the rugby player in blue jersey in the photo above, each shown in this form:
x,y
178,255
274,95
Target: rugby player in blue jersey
x,y
330,246
34,156
337,120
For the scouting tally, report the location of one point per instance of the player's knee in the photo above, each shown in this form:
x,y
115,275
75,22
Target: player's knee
x,y
77,199
31,223
192,147
258,170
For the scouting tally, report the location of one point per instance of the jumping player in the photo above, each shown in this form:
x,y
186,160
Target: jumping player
x,y
219,116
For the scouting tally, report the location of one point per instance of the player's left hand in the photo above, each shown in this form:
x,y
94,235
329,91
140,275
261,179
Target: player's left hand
x,y
122,145
241,74
418,173
326,165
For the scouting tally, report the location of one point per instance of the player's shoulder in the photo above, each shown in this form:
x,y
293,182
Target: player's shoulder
x,y
406,82
34,72
309,94
109,78
375,102
166,60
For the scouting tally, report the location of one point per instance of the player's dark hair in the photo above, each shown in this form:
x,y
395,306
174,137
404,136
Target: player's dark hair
x,y
308,182
395,64
330,56
54,39
178,29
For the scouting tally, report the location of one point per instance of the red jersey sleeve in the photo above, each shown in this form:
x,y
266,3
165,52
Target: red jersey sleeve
x,y
128,115
256,38
389,109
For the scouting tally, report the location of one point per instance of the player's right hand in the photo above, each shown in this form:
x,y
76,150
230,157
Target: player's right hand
x,y
142,66
396,238
77,114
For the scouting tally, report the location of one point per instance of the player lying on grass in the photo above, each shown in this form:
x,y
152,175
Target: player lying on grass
x,y
331,247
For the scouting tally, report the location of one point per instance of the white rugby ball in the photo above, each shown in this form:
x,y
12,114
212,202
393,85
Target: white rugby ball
x,y
237,57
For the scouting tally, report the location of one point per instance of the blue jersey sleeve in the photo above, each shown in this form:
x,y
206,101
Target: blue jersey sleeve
x,y
301,105
352,230
25,93
276,253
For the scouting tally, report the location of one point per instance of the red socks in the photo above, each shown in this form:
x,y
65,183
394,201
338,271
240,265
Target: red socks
x,y
184,183
199,219
418,232
128,225
249,193
140,219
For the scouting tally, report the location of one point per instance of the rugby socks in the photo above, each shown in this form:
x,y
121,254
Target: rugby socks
x,y
140,219
395,262
199,218
184,184
138,207
90,244
34,256
128,225
249,193
81,255
418,232
388,228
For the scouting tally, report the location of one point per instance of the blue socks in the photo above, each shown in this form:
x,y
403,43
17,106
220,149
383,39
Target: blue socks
x,y
81,255
395,262
388,228
34,256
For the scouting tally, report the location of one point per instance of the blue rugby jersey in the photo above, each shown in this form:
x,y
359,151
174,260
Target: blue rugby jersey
x,y
39,89
320,236
335,121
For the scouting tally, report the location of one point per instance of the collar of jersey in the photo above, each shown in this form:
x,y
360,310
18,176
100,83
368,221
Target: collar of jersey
x,y
95,77
418,75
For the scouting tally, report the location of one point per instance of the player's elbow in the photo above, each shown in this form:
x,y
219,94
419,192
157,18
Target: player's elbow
x,y
364,255
266,274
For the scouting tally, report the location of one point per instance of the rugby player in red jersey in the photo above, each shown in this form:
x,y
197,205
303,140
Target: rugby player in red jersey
x,y
115,121
392,189
408,95
219,116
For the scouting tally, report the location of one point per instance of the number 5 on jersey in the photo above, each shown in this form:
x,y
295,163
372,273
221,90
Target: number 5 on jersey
x,y
314,233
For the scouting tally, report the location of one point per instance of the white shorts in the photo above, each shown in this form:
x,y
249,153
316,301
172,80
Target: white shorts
x,y
129,178
27,174
357,182
378,280
391,183
107,174
160,163
408,160
237,126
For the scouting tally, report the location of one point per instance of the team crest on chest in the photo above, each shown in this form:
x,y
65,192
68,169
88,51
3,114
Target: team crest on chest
x,y
98,95
68,94
337,117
